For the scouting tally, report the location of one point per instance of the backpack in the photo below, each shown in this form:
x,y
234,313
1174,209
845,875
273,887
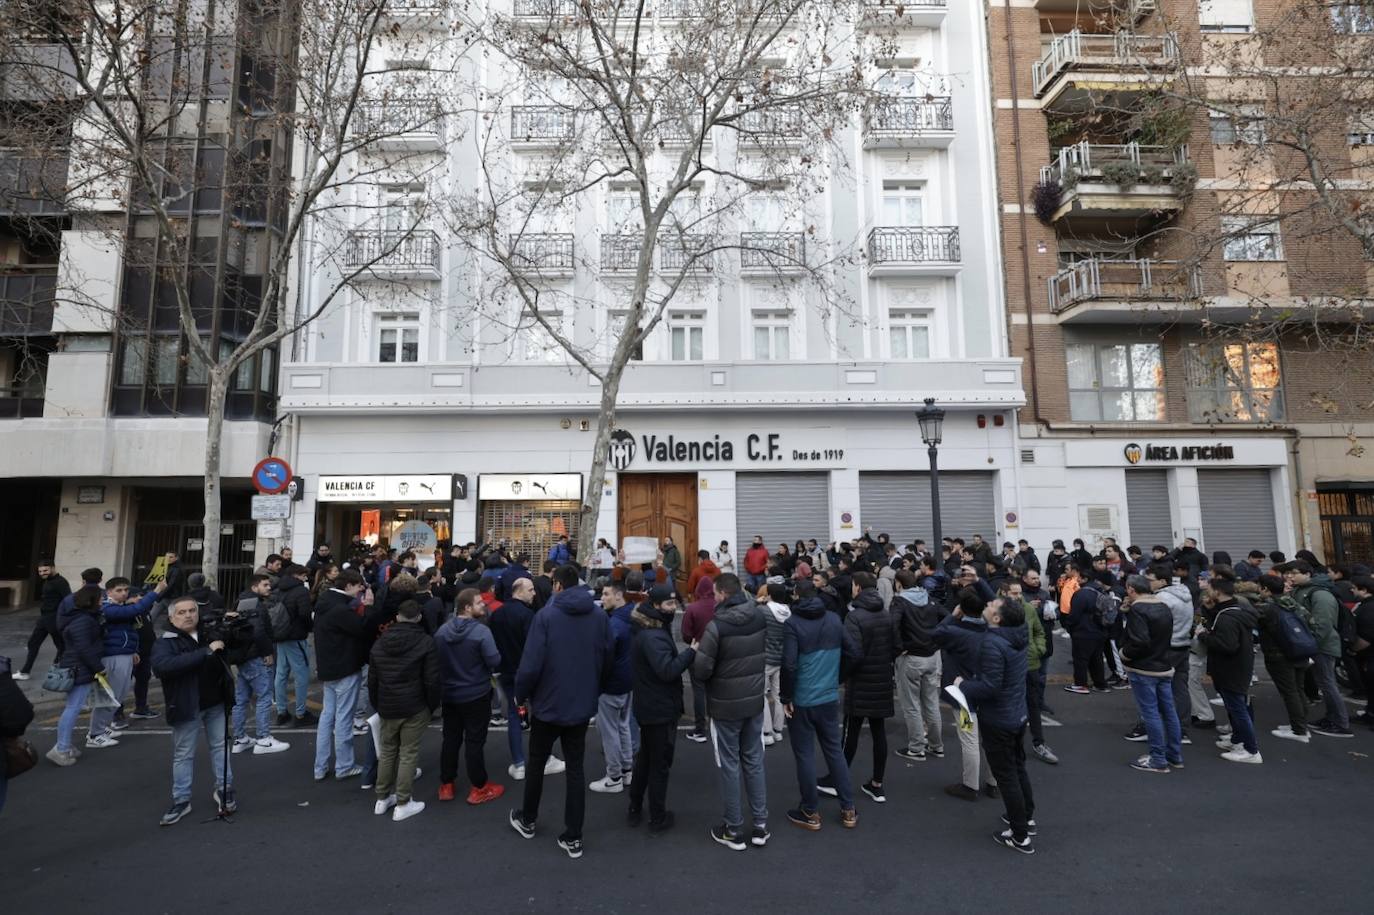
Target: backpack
x,y
279,621
1345,627
1108,608
1293,636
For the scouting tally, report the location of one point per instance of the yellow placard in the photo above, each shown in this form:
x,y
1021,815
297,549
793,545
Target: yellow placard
x,y
158,572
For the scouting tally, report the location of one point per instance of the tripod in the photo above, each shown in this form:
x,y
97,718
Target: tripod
x,y
224,814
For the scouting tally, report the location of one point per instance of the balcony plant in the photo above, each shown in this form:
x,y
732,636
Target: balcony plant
x,y
1046,197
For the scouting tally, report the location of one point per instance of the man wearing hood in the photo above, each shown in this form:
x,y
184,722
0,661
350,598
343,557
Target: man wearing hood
x,y
1229,636
730,661
918,668
568,657
1056,564
868,691
613,719
657,668
698,613
998,691
1315,595
776,613
467,660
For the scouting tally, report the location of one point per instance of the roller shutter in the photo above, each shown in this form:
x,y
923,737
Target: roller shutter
x,y
898,504
782,507
1237,511
1147,502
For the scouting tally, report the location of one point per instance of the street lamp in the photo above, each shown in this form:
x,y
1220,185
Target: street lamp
x,y
932,420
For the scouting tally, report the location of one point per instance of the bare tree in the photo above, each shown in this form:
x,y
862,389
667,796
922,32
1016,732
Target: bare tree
x,y
684,120
210,141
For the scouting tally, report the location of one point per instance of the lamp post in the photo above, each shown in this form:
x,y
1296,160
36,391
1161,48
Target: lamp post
x,y
932,420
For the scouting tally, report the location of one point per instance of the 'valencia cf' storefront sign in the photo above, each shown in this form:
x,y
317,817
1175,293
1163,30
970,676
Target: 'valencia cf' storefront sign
x,y
1148,453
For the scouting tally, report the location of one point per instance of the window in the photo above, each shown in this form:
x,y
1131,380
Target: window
x,y
615,329
1225,15
1247,126
402,208
772,335
1248,240
1352,18
686,334
1115,382
1361,129
1234,382
166,358
196,370
398,337
767,211
902,205
133,367
908,334
536,343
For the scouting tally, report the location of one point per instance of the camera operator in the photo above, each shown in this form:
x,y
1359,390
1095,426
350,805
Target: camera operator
x,y
253,669
196,686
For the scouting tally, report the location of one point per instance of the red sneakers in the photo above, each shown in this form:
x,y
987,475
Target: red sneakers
x,y
446,791
489,792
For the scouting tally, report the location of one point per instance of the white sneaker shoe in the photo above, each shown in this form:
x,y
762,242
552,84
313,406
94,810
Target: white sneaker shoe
x,y
19,675
555,766
407,810
100,742
1286,732
1217,701
517,773
381,807
267,745
767,740
242,743
608,785
1240,755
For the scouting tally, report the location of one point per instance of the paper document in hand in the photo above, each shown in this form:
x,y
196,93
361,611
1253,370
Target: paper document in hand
x,y
103,695
963,716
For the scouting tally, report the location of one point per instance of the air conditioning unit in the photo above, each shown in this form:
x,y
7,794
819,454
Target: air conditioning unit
x,y
1097,522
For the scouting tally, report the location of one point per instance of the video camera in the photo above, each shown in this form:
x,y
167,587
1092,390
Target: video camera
x,y
235,631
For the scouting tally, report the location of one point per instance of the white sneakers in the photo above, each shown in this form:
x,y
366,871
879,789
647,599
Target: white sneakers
x,y
1240,755
608,785
266,745
383,806
243,743
101,741
407,810
19,675
554,766
768,740
1286,732
517,773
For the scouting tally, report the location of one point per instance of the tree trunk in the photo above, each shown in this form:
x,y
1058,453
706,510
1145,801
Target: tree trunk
x,y
217,390
590,515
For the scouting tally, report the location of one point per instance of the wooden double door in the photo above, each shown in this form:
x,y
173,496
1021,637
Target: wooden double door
x,y
661,505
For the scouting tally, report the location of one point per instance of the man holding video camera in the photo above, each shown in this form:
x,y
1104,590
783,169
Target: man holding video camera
x,y
196,687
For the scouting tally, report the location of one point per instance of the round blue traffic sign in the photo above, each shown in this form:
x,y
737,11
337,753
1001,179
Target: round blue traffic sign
x,y
272,476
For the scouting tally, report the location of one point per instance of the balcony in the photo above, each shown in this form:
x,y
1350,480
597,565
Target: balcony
x,y
417,14
394,254
543,253
1132,11
681,10
27,295
772,252
33,185
620,253
772,126
544,9
913,250
402,123
910,122
1117,188
540,125
920,13
1079,69
685,251
1124,291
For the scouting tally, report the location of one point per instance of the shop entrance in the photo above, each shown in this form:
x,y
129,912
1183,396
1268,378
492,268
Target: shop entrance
x,y
661,505
1347,518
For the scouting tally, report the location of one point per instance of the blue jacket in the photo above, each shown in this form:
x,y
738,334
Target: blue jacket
x,y
814,643
937,586
82,642
122,623
467,659
510,626
962,639
997,691
560,553
513,573
568,653
620,679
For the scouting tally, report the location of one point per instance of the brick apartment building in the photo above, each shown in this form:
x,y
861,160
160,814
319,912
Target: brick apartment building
x,y
1163,271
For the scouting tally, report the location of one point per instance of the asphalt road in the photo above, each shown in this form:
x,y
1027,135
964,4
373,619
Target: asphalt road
x,y
1216,835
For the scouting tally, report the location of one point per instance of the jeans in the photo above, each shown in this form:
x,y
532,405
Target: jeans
x,y
362,708
739,746
809,724
1007,758
43,628
119,668
1288,681
1197,694
574,740
400,749
1154,700
184,752
293,663
1242,719
1324,669
754,582
613,724
918,691
877,727
71,714
1087,659
467,721
970,753
773,715
515,734
653,762
335,731
254,678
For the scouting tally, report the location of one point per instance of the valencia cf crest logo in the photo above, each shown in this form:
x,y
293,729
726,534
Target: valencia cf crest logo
x,y
621,450
1134,453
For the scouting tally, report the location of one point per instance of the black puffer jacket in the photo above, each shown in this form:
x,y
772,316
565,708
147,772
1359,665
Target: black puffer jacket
x,y
1146,630
342,637
657,666
1230,646
16,711
82,642
295,596
403,672
868,693
730,659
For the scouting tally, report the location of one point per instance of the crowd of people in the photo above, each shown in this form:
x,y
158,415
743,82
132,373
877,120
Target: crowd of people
x,y
802,644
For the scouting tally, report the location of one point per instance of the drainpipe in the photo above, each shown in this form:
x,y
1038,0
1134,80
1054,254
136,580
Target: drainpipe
x,y
1304,526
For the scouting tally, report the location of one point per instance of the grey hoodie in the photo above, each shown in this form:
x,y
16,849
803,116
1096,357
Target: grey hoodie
x,y
1179,600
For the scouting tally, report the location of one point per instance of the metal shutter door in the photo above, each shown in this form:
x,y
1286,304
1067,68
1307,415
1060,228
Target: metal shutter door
x,y
898,504
782,508
1237,512
1147,501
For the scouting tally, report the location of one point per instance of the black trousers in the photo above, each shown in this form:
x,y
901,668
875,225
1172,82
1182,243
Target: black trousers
x,y
878,728
1006,752
543,735
699,705
652,765
43,628
1033,706
1087,659
466,721
143,671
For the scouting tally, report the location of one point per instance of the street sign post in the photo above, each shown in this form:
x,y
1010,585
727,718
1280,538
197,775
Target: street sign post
x,y
270,508
272,476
